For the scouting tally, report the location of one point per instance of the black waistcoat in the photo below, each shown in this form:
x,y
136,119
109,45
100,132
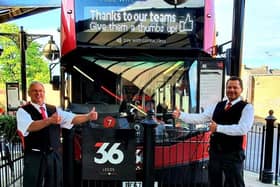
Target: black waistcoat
x,y
45,138
221,142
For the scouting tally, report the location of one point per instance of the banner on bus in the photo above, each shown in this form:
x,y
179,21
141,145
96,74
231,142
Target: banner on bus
x,y
140,23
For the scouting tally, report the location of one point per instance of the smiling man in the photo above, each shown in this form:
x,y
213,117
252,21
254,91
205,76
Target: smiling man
x,y
39,124
230,120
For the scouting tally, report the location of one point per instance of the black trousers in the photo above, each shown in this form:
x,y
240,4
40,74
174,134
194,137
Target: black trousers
x,y
226,169
42,169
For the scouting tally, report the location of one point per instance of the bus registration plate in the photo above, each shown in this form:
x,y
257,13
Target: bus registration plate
x,y
135,184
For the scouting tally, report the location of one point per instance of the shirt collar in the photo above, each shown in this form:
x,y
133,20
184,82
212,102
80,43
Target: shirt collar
x,y
234,101
38,106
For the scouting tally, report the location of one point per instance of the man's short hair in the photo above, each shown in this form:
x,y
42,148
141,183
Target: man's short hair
x,y
235,78
33,83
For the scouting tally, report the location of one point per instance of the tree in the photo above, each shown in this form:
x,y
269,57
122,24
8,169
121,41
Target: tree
x,y
36,66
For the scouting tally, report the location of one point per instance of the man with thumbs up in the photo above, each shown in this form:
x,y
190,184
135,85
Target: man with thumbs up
x,y
39,125
230,120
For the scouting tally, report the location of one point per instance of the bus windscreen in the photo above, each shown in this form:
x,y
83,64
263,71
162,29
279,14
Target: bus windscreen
x,y
140,24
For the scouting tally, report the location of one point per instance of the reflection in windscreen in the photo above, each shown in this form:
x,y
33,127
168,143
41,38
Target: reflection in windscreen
x,y
193,74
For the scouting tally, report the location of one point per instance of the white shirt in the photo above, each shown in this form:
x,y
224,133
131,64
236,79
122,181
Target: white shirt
x,y
24,119
241,128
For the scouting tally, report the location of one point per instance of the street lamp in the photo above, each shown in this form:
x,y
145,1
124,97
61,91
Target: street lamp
x,y
22,39
51,52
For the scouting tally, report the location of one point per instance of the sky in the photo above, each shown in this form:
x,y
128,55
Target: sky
x,y
261,39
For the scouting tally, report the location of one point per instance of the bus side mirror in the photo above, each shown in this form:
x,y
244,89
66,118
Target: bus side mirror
x,y
55,82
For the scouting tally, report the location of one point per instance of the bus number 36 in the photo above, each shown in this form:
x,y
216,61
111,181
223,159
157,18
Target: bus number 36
x,y
113,155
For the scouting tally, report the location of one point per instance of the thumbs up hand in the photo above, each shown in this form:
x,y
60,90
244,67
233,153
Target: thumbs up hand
x,y
176,113
92,115
54,119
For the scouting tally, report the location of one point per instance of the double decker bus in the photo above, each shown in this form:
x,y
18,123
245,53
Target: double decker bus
x,y
128,58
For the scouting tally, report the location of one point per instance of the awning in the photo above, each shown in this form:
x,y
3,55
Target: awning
x,y
13,9
12,13
147,76
30,3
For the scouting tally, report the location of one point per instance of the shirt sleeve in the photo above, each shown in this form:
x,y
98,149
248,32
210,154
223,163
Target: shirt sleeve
x,y
24,120
244,125
66,118
198,118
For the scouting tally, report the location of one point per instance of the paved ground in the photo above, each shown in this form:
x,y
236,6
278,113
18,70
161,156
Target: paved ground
x,y
252,180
